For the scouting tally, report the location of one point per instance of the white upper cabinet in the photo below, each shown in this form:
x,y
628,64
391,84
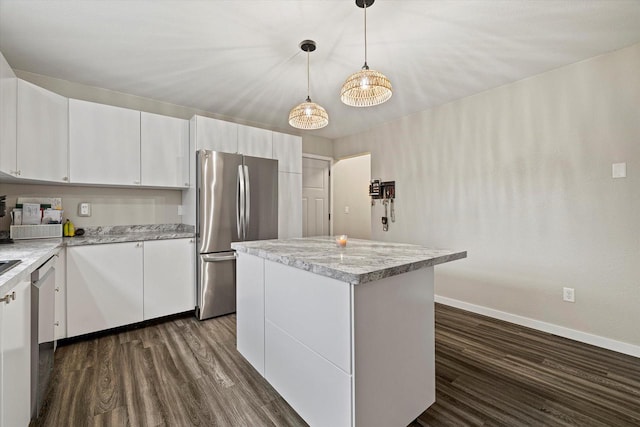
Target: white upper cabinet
x,y
216,135
104,144
164,147
8,96
287,149
42,132
255,142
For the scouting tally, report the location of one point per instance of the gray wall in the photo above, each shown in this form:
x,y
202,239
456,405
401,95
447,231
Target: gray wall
x,y
520,176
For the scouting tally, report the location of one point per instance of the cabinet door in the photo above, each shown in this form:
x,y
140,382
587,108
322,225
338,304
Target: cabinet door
x,y
255,142
164,145
43,118
61,296
216,135
104,287
16,358
287,149
289,205
104,144
169,277
250,309
8,105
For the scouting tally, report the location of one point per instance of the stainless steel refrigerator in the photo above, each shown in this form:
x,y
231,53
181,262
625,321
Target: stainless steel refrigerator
x,y
236,200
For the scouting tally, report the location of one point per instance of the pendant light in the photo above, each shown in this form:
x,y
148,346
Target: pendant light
x,y
308,115
366,87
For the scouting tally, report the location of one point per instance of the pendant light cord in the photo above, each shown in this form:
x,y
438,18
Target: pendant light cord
x,y
366,67
308,79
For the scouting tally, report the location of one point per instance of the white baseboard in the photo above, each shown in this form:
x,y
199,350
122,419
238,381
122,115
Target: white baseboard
x,y
598,341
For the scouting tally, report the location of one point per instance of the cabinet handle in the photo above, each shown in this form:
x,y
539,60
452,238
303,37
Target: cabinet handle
x,y
138,245
15,172
186,184
190,240
8,297
57,289
56,323
65,178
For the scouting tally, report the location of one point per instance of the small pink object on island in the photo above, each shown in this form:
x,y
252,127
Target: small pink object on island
x,y
341,240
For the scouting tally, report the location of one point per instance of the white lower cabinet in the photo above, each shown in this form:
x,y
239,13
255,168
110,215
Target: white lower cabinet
x,y
15,346
169,277
117,284
104,286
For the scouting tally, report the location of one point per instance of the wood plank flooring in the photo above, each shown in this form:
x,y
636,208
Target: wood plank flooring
x,y
183,372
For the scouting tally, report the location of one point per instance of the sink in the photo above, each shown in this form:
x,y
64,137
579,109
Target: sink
x,y
7,265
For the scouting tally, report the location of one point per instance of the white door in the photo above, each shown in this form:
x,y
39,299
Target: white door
x,y
315,197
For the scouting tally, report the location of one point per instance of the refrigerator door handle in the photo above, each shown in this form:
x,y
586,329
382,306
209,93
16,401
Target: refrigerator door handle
x,y
240,203
218,258
247,209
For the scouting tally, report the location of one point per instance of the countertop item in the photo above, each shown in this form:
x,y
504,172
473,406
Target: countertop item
x,y
360,261
33,253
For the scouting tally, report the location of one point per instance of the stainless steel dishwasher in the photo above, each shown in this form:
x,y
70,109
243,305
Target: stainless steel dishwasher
x,y
42,331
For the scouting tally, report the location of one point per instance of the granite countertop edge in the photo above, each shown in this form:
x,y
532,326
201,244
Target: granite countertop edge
x,y
344,276
34,252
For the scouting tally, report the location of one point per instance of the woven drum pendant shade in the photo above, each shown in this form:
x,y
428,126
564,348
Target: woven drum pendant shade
x,y
366,88
308,115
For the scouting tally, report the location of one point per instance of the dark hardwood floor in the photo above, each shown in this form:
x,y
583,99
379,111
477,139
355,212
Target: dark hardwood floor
x,y
183,372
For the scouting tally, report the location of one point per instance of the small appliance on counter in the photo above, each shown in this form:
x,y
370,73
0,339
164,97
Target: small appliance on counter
x,y
36,218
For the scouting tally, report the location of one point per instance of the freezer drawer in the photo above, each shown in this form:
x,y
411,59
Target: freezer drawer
x,y
216,284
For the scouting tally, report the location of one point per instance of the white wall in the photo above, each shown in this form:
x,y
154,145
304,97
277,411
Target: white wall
x,y
351,178
109,206
520,176
312,144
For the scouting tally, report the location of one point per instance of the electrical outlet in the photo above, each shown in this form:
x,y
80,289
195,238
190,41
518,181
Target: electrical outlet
x,y
568,295
84,209
179,210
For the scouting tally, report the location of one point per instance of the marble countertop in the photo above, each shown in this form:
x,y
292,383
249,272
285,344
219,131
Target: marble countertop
x,y
360,261
33,253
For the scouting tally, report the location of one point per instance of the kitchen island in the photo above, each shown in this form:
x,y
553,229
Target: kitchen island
x,y
345,335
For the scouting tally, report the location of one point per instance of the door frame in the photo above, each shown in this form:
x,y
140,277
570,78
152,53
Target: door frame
x,y
330,160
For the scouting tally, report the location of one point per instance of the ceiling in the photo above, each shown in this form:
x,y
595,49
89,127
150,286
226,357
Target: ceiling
x,y
240,59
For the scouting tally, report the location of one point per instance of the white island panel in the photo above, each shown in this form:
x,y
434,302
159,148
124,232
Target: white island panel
x,y
319,391
394,351
315,310
250,309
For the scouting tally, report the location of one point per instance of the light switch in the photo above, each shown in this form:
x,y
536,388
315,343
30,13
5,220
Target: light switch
x,y
619,170
346,209
84,209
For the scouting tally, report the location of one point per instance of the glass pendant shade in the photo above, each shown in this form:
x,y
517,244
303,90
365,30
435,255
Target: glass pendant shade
x,y
308,115
366,88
